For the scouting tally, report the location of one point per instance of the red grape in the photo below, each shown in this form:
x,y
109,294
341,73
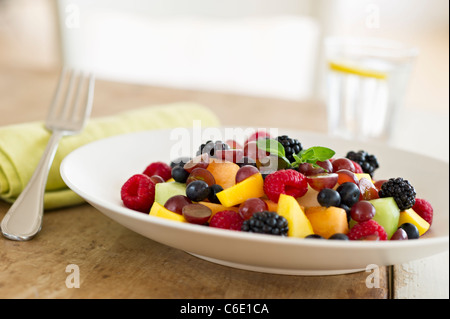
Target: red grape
x,y
233,155
308,170
321,181
201,174
176,203
200,161
367,190
157,179
196,213
362,211
343,163
378,184
251,206
345,176
400,234
245,172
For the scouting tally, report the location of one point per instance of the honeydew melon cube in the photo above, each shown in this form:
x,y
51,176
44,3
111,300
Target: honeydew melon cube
x,y
387,214
164,191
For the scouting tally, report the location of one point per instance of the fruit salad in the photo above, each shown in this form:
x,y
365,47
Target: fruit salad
x,y
273,185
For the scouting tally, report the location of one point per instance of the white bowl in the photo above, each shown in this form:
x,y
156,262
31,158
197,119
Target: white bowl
x,y
98,170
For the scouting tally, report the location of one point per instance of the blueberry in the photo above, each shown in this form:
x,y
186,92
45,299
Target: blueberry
x,y
411,230
179,174
214,189
339,236
349,193
329,197
347,211
197,191
314,236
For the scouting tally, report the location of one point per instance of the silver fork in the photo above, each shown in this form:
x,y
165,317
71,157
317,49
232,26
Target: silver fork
x,y
71,107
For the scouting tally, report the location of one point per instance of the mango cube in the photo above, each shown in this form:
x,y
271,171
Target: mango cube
x,y
250,187
410,216
160,211
298,223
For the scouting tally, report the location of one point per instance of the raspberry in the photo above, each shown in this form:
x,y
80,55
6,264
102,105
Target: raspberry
x,y
289,182
159,168
138,193
366,229
226,219
424,209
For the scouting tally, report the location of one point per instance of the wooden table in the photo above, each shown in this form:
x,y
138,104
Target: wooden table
x,y
115,262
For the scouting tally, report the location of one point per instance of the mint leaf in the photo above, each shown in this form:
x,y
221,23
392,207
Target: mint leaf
x,y
273,147
316,153
313,154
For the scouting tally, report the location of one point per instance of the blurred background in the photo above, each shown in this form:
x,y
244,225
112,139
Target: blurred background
x,y
270,48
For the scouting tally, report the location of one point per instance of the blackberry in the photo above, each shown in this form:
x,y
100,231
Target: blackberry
x,y
266,223
180,161
401,190
211,147
291,146
368,162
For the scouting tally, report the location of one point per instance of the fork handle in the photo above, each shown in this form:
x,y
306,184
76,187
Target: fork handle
x,y
24,219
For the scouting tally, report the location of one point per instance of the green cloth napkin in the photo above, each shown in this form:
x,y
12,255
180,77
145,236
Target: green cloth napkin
x,y
22,145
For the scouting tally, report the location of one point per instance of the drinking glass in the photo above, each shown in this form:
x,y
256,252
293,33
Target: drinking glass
x,y
366,83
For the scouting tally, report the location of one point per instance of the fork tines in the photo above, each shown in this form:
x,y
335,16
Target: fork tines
x,y
72,100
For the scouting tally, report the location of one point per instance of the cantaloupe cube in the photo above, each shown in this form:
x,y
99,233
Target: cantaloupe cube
x,y
271,206
240,192
224,172
327,221
298,223
160,211
410,216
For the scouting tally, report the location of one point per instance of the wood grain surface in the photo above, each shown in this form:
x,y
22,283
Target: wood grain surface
x,y
115,262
